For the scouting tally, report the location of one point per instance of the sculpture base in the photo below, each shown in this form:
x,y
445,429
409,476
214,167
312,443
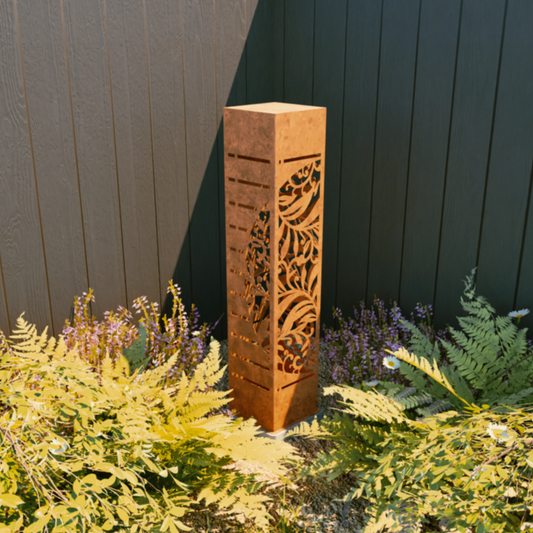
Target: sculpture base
x,y
282,433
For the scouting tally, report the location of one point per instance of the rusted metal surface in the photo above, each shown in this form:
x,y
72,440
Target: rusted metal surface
x,y
274,187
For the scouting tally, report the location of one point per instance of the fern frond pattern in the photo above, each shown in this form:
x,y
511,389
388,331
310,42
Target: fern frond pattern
x,y
298,269
257,276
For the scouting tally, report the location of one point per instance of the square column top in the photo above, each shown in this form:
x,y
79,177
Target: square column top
x,y
275,131
275,108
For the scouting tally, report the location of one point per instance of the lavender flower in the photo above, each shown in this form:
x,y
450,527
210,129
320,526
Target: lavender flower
x,y
355,350
165,336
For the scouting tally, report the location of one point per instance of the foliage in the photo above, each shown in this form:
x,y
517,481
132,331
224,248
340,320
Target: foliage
x,y
151,343
356,349
444,468
104,451
489,362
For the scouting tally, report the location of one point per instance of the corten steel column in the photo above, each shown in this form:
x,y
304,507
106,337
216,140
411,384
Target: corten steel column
x,y
274,185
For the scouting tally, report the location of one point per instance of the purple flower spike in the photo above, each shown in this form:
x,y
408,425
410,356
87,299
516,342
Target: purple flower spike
x,y
356,350
117,331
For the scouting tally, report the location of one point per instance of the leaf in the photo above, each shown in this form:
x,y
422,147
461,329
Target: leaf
x,y
424,365
10,500
35,527
177,511
123,515
166,523
182,526
510,492
136,353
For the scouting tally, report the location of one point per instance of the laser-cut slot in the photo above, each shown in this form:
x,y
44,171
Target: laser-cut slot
x,y
245,339
249,381
300,158
233,226
242,317
235,250
246,360
254,184
231,155
232,203
247,206
259,160
232,270
236,294
295,382
231,179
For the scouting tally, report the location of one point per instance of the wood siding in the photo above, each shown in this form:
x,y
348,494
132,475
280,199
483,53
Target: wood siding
x,y
111,146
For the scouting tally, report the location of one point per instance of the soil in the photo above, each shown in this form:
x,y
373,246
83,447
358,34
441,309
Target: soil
x,y
311,505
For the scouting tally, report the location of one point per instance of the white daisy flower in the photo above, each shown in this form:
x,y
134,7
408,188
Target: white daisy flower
x,y
61,447
196,333
391,362
498,432
519,314
372,383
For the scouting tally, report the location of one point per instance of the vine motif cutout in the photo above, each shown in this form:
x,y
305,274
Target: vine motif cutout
x,y
299,269
257,278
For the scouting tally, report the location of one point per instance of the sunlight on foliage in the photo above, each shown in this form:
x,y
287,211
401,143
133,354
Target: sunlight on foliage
x,y
91,451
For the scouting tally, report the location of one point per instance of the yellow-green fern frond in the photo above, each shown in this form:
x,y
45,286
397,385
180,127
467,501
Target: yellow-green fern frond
x,y
432,370
368,405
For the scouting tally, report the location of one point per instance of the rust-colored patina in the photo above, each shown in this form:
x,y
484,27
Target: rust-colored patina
x,y
274,184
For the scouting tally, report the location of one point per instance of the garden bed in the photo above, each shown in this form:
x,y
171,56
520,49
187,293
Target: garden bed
x,y
129,426
310,504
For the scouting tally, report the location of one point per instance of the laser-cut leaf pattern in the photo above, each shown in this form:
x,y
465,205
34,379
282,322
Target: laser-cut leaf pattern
x,y
257,278
298,269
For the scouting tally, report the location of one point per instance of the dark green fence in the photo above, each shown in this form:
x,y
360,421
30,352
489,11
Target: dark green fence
x,y
111,161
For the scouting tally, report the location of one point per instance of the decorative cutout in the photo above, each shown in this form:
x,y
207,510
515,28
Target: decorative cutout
x,y
258,159
298,270
300,158
249,381
273,258
257,280
253,184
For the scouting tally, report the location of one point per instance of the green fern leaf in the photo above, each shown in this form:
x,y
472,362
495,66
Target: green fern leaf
x,y
136,353
432,370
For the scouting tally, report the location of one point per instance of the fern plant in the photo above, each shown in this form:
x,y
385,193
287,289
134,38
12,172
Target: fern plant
x,y
88,451
449,469
490,362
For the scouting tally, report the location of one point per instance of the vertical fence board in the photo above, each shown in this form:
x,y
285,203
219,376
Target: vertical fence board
x,y
264,51
328,91
475,85
200,111
168,136
360,96
298,51
131,115
231,30
4,316
524,296
43,50
93,125
395,99
21,246
510,163
439,26
116,179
